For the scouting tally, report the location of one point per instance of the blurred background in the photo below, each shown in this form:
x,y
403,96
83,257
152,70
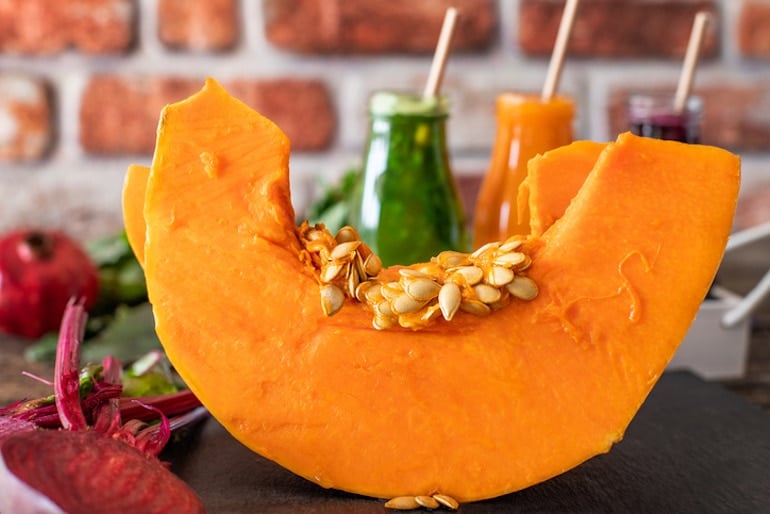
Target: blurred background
x,y
82,83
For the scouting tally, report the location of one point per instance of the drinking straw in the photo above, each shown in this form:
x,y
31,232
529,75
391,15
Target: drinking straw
x,y
440,55
559,49
690,60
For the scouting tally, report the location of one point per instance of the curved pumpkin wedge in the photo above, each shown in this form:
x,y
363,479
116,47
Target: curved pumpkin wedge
x,y
473,408
134,189
553,179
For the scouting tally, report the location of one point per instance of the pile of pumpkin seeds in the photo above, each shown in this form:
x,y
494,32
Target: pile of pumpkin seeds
x,y
477,283
434,501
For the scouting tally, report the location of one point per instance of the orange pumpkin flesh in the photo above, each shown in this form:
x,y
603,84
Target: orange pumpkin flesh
x,y
553,179
473,408
134,189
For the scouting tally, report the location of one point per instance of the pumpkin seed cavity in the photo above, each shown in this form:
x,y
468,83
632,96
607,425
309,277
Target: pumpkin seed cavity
x,y
477,283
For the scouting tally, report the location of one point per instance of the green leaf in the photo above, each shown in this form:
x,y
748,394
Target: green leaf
x,y
130,335
332,208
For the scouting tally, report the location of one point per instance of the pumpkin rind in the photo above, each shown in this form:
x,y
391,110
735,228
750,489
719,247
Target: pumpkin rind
x,y
473,408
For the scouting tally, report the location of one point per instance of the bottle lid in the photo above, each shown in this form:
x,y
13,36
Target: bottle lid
x,y
391,103
659,108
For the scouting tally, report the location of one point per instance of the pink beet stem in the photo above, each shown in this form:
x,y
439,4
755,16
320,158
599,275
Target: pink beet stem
x,y
66,370
107,414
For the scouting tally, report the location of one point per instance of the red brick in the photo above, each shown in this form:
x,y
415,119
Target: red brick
x,y
25,118
754,29
376,26
48,27
612,28
119,115
198,24
301,107
733,114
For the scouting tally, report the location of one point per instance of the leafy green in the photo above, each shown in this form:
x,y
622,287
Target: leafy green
x,y
332,208
121,322
121,278
129,334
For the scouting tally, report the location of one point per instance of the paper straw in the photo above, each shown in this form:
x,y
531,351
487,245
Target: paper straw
x,y
440,56
690,60
559,49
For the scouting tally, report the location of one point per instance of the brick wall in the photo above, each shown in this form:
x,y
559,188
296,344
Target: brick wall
x,y
82,82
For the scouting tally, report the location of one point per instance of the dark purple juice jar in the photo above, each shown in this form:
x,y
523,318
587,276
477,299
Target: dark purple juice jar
x,y
654,115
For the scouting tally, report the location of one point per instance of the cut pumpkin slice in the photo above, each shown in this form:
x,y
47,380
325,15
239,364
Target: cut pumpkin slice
x,y
472,408
553,179
134,189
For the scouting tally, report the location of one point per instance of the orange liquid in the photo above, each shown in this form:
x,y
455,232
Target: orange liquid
x,y
525,127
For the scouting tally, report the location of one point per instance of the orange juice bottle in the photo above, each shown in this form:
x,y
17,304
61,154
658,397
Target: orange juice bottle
x,y
526,126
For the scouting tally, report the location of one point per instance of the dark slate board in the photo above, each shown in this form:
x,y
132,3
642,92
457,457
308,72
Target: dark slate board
x,y
693,447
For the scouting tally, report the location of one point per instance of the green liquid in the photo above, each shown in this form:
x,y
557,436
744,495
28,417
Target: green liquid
x,y
406,206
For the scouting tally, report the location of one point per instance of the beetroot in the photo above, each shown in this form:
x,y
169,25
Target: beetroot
x,y
40,270
103,456
86,472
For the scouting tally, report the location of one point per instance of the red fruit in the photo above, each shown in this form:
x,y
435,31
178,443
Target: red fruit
x,y
40,270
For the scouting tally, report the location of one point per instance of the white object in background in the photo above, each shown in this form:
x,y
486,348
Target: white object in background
x,y
716,347
712,349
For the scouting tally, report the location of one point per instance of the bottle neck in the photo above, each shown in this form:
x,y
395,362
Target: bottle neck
x,y
528,126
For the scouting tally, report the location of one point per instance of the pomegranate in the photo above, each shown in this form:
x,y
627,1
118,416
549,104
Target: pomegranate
x,y
40,270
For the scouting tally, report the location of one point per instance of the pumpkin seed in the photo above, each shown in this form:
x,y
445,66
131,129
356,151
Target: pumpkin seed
x,y
352,282
498,276
332,298
343,250
524,265
358,267
487,293
402,503
422,289
471,275
428,502
391,290
475,307
430,313
363,288
511,244
404,304
382,322
412,273
332,271
510,259
447,501
523,288
372,265
346,234
484,249
383,309
449,299
451,259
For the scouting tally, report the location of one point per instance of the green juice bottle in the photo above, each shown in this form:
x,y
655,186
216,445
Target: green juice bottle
x,y
406,206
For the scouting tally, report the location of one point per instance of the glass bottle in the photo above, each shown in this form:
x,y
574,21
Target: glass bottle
x,y
654,115
526,126
406,206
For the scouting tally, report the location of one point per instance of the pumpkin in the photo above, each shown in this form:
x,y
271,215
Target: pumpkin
x,y
553,179
134,187
472,408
